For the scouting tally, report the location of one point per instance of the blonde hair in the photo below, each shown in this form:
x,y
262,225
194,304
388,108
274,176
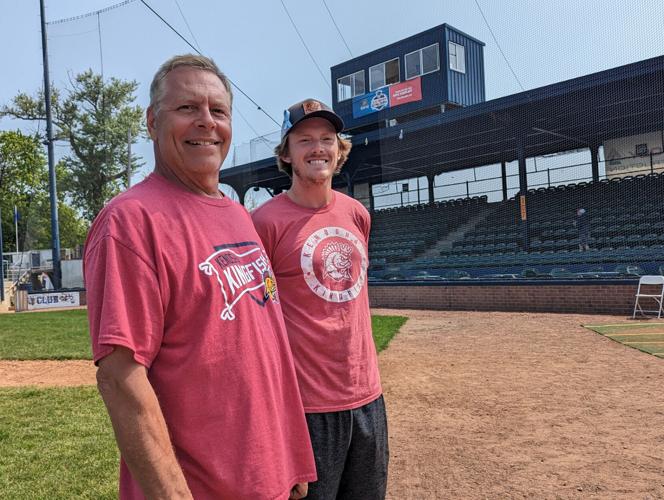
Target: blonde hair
x,y
282,149
185,60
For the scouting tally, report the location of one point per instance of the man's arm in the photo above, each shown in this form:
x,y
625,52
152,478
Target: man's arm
x,y
139,426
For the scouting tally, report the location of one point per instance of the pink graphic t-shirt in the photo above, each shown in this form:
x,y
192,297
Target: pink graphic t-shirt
x,y
183,281
320,261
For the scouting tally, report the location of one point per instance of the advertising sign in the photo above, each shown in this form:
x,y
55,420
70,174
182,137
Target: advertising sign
x,y
53,300
387,97
634,155
405,92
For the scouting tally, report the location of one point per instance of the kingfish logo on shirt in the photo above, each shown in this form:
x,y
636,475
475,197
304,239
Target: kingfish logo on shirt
x,y
334,263
242,270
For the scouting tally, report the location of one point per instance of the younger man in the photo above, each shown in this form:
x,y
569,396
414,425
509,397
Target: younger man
x,y
317,241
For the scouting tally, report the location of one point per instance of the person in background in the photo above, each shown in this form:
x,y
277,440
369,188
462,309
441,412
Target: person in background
x,y
45,281
583,227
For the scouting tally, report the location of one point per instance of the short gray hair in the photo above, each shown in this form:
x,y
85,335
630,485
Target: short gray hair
x,y
185,60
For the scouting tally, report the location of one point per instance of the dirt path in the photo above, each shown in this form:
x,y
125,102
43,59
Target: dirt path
x,y
504,405
500,405
47,373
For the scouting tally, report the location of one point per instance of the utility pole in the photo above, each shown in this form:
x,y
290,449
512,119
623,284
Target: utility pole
x,y
55,228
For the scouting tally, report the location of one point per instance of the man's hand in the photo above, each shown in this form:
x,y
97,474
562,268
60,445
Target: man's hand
x,y
300,490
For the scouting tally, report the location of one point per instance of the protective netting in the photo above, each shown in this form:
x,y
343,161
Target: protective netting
x,y
448,197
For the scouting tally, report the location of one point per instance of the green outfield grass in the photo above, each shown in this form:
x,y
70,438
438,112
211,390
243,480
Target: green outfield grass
x,y
58,443
45,335
64,334
646,337
384,328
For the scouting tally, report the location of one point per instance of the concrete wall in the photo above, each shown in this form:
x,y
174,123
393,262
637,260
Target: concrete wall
x,y
584,298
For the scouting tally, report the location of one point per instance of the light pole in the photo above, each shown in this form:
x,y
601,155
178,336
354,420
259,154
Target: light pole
x,y
55,230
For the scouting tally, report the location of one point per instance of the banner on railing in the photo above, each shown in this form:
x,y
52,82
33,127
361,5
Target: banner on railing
x,y
634,155
53,300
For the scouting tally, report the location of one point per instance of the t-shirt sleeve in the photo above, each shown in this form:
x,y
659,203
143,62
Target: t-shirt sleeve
x,y
266,232
124,301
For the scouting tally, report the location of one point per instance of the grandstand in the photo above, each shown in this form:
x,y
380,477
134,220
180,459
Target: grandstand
x,y
516,225
483,240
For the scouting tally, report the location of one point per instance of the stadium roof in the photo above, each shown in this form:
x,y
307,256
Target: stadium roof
x,y
572,114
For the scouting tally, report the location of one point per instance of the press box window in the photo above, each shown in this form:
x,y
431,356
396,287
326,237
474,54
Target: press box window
x,y
422,61
350,86
383,74
457,57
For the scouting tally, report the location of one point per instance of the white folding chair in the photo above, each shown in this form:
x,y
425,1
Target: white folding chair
x,y
651,282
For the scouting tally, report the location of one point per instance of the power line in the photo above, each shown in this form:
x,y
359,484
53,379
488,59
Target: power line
x,y
304,44
336,26
185,22
199,53
498,45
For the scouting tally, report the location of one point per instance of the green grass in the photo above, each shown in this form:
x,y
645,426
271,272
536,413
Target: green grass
x,y
646,337
384,328
45,335
56,443
64,334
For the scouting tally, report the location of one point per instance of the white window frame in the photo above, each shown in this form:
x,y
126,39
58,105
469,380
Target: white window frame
x,y
353,85
371,85
459,56
421,52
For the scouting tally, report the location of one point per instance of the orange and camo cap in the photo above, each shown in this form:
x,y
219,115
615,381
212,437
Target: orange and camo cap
x,y
309,108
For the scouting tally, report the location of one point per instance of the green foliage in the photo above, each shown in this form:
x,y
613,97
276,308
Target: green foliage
x,y
56,444
22,175
384,328
95,118
45,335
24,184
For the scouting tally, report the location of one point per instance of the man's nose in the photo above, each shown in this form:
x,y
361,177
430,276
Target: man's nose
x,y
205,118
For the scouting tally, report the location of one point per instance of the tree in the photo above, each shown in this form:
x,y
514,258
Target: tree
x,y
95,118
24,185
22,174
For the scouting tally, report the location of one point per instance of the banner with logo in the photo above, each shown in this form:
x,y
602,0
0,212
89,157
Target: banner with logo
x,y
387,97
53,300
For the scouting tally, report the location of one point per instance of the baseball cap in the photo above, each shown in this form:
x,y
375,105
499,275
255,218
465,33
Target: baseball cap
x,y
309,108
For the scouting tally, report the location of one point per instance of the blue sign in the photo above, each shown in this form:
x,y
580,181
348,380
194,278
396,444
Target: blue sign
x,y
372,102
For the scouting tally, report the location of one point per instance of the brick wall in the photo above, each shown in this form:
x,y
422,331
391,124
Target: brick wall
x,y
585,298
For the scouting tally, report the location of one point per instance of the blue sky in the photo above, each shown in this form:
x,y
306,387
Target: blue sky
x,y
254,42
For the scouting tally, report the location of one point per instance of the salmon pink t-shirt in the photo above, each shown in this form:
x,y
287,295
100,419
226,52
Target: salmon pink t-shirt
x,y
320,261
183,281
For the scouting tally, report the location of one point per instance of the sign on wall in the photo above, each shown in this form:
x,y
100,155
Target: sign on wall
x,y
634,155
388,97
53,300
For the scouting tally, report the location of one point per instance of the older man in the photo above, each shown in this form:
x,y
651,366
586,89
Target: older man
x,y
317,240
194,364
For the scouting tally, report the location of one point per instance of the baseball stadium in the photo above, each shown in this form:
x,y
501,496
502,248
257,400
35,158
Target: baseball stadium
x,y
516,262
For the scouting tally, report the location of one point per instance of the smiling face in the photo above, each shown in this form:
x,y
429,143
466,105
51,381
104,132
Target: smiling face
x,y
191,126
313,151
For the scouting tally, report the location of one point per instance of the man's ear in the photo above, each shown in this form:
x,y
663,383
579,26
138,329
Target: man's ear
x,y
285,158
150,118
